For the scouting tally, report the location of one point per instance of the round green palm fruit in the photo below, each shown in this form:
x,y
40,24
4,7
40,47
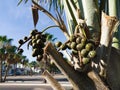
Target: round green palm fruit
x,y
38,36
41,51
115,40
72,38
83,40
40,43
79,46
34,41
33,32
73,45
34,45
78,39
74,51
89,46
20,51
44,35
63,46
92,54
85,60
33,37
84,52
35,52
25,38
43,39
39,58
20,41
69,45
58,44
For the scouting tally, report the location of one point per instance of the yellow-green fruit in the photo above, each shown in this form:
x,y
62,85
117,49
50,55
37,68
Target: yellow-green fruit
x,y
33,37
92,54
34,41
83,40
74,51
35,52
115,40
58,44
116,45
73,45
38,36
85,60
84,52
40,43
33,32
34,45
68,45
72,38
79,46
39,58
89,46
78,39
63,46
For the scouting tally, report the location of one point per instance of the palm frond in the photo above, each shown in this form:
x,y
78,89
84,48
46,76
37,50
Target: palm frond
x,y
20,1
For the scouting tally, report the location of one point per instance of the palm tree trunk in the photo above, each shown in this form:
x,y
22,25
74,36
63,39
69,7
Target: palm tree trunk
x,y
0,71
109,69
6,72
54,83
114,6
79,80
91,14
14,70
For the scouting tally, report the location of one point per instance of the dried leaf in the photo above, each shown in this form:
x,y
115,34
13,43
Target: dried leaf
x,y
35,15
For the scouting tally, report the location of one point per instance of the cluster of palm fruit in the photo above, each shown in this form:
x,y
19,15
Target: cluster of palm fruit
x,y
79,46
37,41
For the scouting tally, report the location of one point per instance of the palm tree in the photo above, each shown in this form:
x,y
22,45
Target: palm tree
x,y
4,41
12,57
25,62
2,51
85,18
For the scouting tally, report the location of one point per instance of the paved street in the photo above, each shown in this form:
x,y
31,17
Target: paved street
x,y
32,83
25,87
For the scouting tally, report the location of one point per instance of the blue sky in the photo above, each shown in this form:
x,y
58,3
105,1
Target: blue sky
x,y
17,22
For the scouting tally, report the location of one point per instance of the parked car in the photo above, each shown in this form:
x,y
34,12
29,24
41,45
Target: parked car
x,y
16,72
3,73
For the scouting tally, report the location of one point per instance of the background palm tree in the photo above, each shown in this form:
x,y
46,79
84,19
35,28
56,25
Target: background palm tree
x,y
4,41
12,58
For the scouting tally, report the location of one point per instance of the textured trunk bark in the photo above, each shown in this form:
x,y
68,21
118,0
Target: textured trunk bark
x,y
110,57
79,80
91,14
0,71
55,85
7,69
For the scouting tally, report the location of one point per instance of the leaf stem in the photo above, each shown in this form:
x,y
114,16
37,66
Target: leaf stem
x,y
49,28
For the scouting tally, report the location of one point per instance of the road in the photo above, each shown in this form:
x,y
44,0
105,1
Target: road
x,y
32,83
25,87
